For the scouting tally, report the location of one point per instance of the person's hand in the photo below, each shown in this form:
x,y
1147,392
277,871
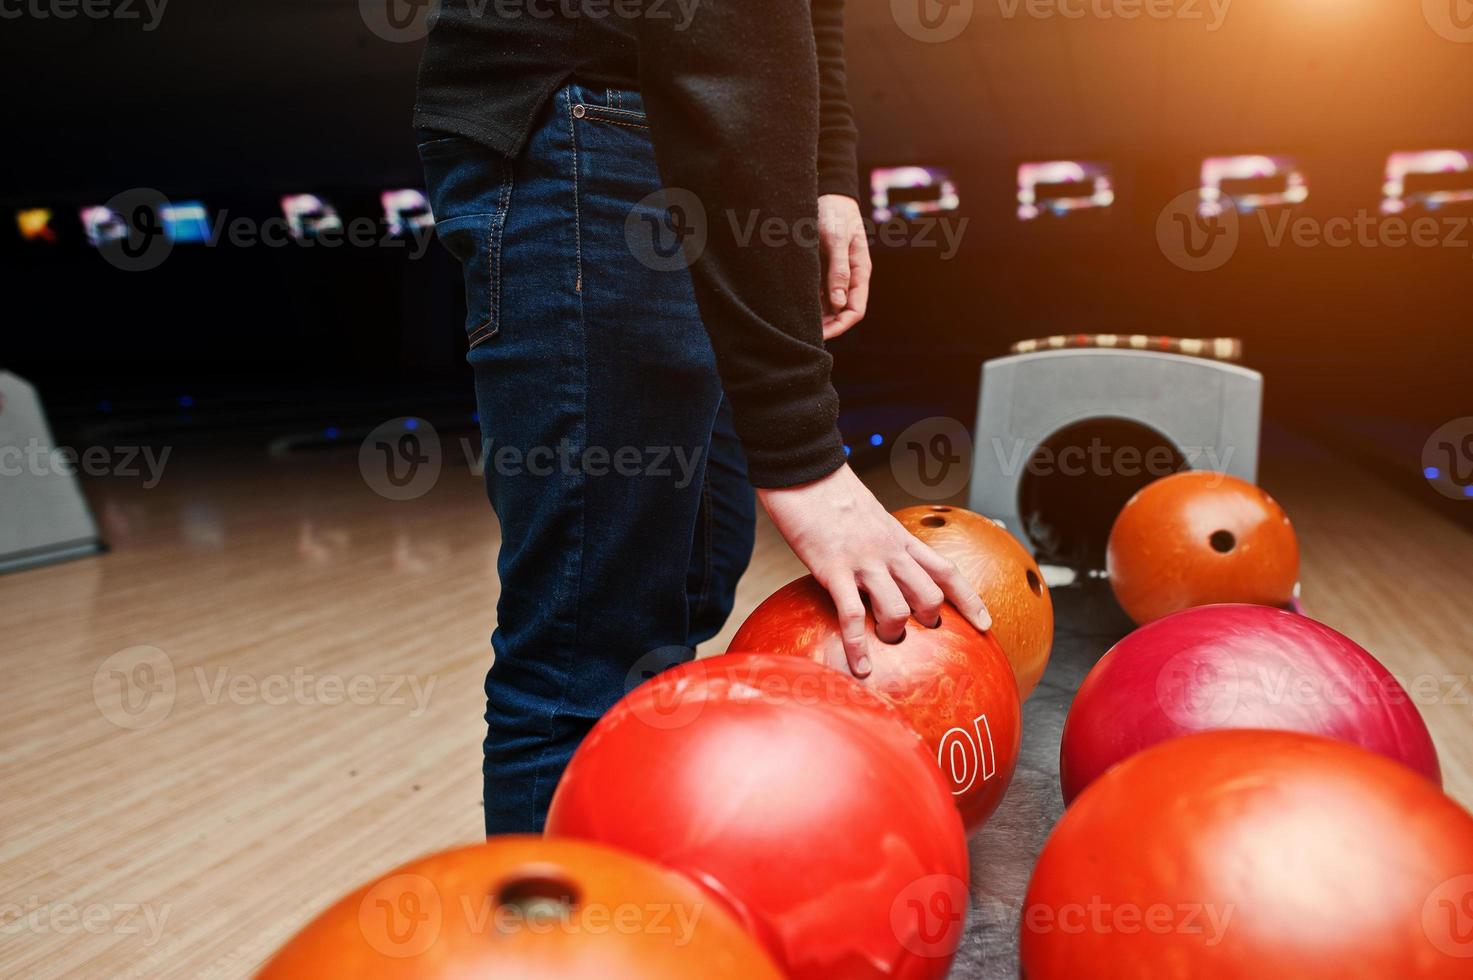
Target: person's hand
x,y
852,546
844,247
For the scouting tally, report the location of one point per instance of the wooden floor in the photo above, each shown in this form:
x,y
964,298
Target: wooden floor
x,y
327,648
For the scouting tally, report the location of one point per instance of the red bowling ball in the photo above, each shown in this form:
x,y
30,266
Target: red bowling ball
x,y
952,684
1254,855
1237,666
794,794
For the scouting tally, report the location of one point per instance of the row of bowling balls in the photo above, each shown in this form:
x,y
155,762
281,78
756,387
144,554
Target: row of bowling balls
x,y
1249,791
756,814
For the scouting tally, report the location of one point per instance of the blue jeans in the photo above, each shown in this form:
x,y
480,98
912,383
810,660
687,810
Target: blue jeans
x,y
611,461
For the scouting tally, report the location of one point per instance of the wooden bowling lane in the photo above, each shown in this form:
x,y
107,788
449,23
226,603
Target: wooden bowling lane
x,y
327,648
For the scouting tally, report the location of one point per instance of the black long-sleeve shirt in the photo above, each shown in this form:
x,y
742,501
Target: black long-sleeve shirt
x,y
747,108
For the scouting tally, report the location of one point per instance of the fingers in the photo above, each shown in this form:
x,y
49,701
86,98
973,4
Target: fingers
x,y
851,625
922,593
834,326
886,602
860,270
953,584
837,276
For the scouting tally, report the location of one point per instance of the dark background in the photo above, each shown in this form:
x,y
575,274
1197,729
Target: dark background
x,y
237,103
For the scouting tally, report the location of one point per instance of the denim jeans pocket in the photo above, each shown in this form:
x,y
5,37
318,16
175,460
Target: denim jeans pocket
x,y
470,189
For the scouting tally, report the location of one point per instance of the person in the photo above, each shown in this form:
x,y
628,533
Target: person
x,y
630,403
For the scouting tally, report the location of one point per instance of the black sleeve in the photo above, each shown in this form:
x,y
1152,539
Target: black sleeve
x,y
838,171
732,101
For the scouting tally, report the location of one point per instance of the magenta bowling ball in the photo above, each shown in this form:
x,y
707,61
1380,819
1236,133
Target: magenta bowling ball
x,y
1237,667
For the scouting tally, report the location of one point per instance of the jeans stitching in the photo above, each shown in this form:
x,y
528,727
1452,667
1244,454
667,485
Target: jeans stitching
x,y
577,217
557,712
706,506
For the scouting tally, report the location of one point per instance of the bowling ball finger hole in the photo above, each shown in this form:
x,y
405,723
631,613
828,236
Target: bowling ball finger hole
x,y
1222,541
1035,584
931,520
536,898
941,510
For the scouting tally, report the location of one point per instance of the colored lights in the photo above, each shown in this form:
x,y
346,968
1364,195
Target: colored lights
x,y
35,225
308,216
406,211
186,222
1423,168
876,440
911,192
1245,182
1061,186
103,225
1432,472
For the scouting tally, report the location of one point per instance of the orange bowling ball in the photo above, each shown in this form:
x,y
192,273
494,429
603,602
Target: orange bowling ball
x,y
952,684
525,908
1198,538
1004,575
1248,855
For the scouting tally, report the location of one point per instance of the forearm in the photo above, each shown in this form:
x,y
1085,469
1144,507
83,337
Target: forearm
x,y
837,134
737,125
